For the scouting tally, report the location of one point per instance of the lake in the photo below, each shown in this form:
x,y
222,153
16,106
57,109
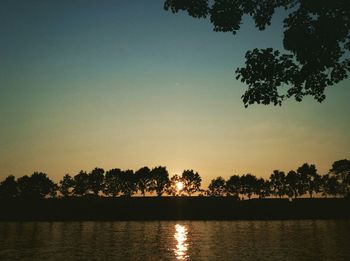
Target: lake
x,y
176,240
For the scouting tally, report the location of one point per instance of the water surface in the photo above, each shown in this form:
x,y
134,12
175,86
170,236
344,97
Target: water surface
x,y
182,240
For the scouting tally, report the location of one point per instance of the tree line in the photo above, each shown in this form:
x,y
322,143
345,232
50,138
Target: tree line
x,y
116,182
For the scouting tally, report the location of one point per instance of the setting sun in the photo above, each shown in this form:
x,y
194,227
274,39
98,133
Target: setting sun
x,y
179,186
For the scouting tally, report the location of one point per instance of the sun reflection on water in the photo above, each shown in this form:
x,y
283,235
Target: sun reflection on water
x,y
182,245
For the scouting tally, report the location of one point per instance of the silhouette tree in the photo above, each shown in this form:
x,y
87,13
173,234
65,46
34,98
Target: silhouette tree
x,y
171,188
160,180
9,188
263,189
341,170
112,182
347,182
330,185
24,187
66,185
96,178
143,179
248,185
233,186
316,40
42,185
81,183
217,187
53,190
309,179
278,183
192,181
317,183
38,185
127,183
292,184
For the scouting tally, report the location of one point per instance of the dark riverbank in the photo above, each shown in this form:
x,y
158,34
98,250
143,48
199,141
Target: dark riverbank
x,y
172,208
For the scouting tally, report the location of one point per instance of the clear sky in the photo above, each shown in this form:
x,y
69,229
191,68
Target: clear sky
x,y
126,84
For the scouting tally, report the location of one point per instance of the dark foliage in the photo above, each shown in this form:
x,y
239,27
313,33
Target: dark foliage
x,y
341,172
143,179
96,178
248,185
128,183
36,186
112,183
81,183
309,179
66,185
292,184
278,183
160,179
316,44
9,188
217,187
191,181
233,186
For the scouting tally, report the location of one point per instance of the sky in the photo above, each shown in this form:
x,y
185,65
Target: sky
x,y
125,84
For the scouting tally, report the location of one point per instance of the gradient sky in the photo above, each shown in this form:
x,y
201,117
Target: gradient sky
x,y
126,84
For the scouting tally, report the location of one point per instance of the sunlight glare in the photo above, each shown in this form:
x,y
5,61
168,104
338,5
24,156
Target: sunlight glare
x,y
181,238
179,186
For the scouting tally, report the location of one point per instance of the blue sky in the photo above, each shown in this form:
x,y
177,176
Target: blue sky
x,y
127,84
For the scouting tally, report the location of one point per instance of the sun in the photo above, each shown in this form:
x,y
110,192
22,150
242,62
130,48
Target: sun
x,y
179,186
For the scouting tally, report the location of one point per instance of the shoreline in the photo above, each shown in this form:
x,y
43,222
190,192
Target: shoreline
x,y
172,208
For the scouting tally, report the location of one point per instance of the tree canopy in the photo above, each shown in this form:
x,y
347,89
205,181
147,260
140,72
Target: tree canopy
x,y
192,181
316,43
